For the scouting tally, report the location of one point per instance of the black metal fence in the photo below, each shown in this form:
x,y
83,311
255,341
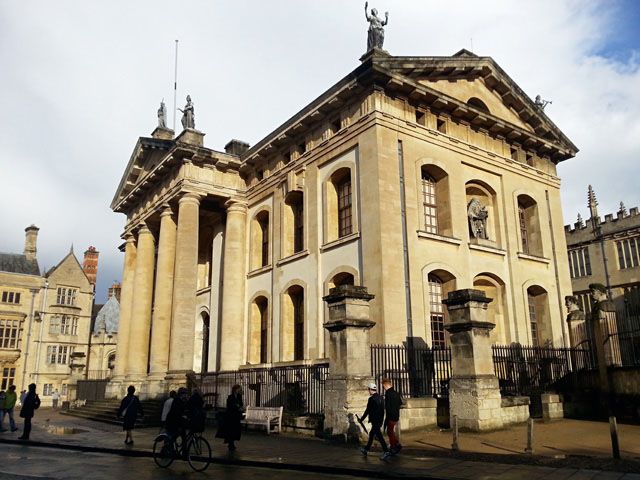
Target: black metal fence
x,y
299,389
622,337
414,371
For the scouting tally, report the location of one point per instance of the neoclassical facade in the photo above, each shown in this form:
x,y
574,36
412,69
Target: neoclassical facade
x,y
413,176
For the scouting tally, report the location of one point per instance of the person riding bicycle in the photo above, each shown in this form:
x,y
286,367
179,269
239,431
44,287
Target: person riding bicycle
x,y
177,421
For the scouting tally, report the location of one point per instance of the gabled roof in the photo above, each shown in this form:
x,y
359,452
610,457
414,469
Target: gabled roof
x,y
52,270
18,263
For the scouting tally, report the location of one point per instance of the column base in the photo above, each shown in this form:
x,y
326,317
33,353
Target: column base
x,y
345,397
477,403
176,379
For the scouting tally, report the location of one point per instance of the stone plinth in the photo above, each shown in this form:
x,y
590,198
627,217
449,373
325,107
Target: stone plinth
x,y
474,393
419,413
552,408
162,133
349,359
191,136
515,410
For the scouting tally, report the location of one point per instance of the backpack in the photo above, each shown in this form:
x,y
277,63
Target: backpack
x,y
36,402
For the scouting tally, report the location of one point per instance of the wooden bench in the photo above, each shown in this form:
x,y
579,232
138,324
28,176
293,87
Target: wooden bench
x,y
267,416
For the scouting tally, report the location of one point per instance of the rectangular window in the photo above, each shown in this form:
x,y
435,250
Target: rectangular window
x,y
298,227
298,326
59,354
10,297
579,262
69,325
533,319
522,217
64,390
438,333
47,389
429,203
66,296
54,325
8,377
344,208
628,252
9,330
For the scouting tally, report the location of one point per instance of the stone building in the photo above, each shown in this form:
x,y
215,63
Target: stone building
x,y
619,268
412,176
45,320
104,337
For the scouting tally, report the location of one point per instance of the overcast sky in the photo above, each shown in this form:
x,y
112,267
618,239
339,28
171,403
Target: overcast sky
x,y
80,81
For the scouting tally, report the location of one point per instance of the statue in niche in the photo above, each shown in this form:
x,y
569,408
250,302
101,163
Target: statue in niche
x,y
162,115
478,215
188,116
375,36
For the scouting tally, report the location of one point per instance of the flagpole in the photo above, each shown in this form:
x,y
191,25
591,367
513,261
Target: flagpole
x,y
175,88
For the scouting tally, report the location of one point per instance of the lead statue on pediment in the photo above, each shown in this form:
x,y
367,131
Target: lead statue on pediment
x,y
162,115
478,215
375,36
188,116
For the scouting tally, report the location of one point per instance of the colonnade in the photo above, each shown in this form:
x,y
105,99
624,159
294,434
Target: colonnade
x,y
157,320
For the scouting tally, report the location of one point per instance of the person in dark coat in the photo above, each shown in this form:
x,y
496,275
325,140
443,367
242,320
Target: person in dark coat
x,y
196,413
30,404
375,412
130,408
231,428
392,404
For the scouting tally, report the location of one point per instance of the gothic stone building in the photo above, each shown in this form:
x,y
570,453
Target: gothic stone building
x,y
619,236
228,254
45,319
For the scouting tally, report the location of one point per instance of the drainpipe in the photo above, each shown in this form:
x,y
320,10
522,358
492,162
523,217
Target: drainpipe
x,y
28,339
42,316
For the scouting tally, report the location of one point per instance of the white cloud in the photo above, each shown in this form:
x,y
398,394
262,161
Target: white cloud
x,y
81,81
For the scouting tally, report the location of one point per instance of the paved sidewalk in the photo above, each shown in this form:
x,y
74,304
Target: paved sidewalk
x,y
426,454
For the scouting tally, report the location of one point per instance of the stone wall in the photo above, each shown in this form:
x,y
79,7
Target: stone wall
x,y
515,410
419,413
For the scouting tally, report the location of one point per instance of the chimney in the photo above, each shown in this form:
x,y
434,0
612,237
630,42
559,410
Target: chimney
x,y
114,291
236,147
90,265
30,242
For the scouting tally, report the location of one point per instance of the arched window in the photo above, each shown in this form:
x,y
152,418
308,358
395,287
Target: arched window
x,y
342,278
339,211
260,240
538,312
529,222
437,309
293,324
494,288
259,331
436,211
293,238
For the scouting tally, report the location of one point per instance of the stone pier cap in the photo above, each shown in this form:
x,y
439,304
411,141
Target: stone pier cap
x,y
467,309
348,307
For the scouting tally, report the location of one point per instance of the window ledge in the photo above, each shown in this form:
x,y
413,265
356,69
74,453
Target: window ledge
x,y
340,241
60,305
439,238
259,271
534,258
488,249
292,258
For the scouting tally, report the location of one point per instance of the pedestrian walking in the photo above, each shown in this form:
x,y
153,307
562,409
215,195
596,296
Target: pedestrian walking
x,y
55,396
375,412
166,407
130,408
6,408
231,429
30,404
392,404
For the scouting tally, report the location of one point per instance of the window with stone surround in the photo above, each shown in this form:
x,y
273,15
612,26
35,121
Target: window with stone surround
x,y
9,333
344,207
8,377
259,331
538,313
579,262
47,389
435,203
293,234
260,240
59,354
628,252
437,315
339,205
66,296
529,223
10,297
293,323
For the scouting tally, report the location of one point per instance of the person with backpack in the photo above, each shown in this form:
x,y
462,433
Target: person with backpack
x,y
375,412
392,404
30,404
7,408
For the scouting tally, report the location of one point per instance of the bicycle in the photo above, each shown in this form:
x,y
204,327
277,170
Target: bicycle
x,y
196,449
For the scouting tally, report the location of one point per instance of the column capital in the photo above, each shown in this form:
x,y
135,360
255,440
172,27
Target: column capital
x,y
143,229
190,197
129,237
166,210
234,205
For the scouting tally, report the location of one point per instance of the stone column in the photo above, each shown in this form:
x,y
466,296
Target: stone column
x,y
184,291
474,393
232,336
126,298
139,330
161,324
349,359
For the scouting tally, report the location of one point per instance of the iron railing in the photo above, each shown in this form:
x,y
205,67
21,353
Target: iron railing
x,y
414,371
621,331
299,389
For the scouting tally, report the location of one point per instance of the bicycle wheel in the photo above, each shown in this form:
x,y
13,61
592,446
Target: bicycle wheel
x,y
163,452
198,453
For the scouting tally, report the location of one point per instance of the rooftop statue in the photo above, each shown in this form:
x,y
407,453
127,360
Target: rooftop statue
x,y
375,36
540,103
188,117
162,115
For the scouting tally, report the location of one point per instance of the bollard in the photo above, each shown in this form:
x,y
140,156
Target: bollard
x,y
613,428
454,428
529,448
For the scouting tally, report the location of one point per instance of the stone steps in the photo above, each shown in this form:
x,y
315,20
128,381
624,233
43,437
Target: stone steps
x,y
105,411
